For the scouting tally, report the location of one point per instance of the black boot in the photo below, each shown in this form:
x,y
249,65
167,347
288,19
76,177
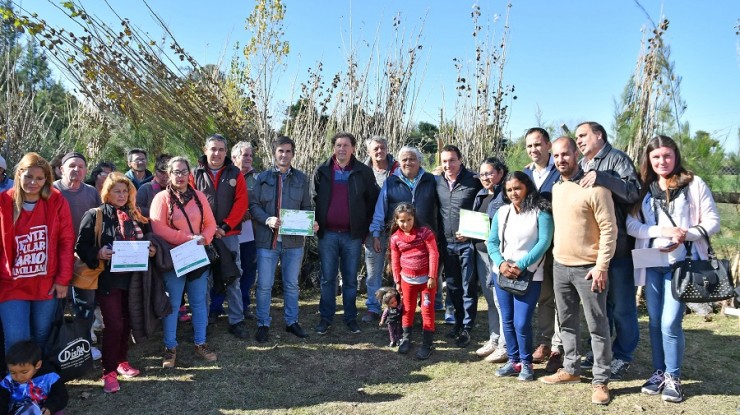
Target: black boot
x,y
405,344
426,347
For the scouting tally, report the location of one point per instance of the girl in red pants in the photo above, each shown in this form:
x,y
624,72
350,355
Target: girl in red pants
x,y
414,261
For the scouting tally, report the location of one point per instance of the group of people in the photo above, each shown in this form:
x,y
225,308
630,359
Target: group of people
x,y
565,223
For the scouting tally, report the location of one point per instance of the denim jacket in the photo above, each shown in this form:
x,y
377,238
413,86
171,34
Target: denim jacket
x,y
262,204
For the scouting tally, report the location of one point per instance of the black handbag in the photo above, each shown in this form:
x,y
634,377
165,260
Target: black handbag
x,y
520,285
702,280
68,348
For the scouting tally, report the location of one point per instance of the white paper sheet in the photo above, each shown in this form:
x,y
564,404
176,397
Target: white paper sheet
x,y
649,257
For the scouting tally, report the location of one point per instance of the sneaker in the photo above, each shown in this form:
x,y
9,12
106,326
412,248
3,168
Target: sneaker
x,y
124,369
454,333
654,385
370,317
487,348
96,354
541,353
98,322
212,318
93,336
560,377
439,306
239,330
202,351
353,326
672,389
322,327
110,383
526,372
588,361
498,356
555,362
248,314
619,369
169,358
262,334
296,330
509,369
463,340
600,394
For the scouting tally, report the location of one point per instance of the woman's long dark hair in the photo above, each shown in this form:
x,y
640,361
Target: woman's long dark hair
x,y
533,199
678,178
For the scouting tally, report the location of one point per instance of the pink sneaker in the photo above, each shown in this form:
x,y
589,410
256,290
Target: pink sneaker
x,y
125,370
110,383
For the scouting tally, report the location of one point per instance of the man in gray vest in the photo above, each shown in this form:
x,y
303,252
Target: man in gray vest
x,y
224,186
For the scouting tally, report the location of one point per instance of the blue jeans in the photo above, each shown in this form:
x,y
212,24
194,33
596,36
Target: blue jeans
x,y
290,267
233,291
337,250
27,320
666,315
516,314
484,269
197,293
374,265
248,259
462,286
621,308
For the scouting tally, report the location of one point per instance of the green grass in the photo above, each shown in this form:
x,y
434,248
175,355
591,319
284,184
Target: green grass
x,y
350,373
727,242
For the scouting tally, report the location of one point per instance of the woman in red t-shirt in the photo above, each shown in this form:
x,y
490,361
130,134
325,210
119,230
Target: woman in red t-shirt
x,y
37,252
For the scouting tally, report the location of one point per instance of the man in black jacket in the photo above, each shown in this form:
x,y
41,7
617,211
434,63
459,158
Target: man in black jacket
x,y
344,193
608,167
456,189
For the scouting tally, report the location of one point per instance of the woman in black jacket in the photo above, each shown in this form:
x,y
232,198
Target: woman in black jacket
x,y
121,221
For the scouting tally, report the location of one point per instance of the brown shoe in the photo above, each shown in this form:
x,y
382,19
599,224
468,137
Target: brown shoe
x,y
202,351
561,377
600,395
169,357
541,353
555,362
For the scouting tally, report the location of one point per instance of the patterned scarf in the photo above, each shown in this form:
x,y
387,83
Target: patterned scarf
x,y
661,199
128,229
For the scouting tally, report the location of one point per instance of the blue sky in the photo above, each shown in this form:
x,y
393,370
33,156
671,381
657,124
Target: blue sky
x,y
570,59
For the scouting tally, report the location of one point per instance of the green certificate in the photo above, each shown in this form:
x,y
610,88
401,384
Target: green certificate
x,y
296,222
474,224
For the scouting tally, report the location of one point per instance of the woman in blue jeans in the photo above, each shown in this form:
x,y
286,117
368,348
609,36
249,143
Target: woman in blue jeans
x,y
179,214
520,235
37,252
674,204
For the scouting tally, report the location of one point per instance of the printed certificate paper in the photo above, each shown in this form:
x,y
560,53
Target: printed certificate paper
x,y
130,256
474,224
649,257
188,256
296,222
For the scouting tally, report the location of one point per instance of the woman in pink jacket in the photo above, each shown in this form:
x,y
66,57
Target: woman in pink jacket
x,y
180,214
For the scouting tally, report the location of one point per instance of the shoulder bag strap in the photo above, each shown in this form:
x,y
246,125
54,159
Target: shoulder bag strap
x,y
687,244
503,231
98,226
705,235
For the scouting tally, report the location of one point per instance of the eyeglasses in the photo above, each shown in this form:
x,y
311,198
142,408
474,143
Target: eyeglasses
x,y
180,173
487,174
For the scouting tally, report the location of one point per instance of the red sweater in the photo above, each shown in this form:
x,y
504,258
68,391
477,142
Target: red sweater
x,y
37,250
414,255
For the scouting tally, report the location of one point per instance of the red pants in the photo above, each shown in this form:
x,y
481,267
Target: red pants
x,y
114,307
411,294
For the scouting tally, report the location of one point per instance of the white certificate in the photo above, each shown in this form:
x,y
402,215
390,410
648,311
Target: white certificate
x,y
296,222
188,256
130,256
649,257
474,224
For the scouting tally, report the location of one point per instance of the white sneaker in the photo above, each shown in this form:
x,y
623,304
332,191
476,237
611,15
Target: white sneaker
x,y
498,356
487,348
98,323
96,354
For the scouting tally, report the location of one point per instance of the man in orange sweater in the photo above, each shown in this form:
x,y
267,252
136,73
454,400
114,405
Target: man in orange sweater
x,y
585,240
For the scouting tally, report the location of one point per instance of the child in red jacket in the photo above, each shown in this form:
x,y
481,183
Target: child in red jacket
x,y
414,261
